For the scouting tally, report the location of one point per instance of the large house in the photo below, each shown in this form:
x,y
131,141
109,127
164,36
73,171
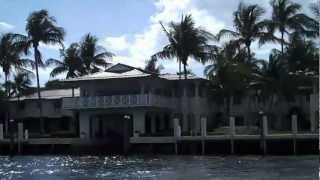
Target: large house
x,y
125,103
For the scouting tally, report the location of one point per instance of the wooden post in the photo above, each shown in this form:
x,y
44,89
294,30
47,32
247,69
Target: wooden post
x,y
232,132
294,127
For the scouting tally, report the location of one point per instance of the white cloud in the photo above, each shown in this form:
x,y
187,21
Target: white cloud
x,y
5,26
117,43
50,46
152,38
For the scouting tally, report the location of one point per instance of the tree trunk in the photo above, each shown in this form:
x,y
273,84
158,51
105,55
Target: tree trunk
x,y
282,44
37,60
7,114
228,106
249,53
185,71
179,69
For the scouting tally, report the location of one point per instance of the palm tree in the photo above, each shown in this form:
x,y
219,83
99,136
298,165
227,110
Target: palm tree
x,y
228,73
186,40
41,28
70,64
286,18
151,66
10,56
92,55
248,27
21,83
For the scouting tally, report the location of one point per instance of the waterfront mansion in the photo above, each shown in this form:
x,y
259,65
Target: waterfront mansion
x,y
124,101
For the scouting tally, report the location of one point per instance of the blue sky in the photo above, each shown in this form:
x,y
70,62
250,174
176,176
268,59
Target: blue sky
x,y
128,28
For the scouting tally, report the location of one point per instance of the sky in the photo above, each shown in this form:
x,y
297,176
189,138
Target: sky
x,y
128,28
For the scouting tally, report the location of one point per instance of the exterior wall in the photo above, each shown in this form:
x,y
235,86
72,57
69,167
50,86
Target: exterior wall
x,y
31,109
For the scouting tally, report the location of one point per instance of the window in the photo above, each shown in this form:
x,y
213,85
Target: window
x,y
57,106
307,98
22,105
239,120
237,99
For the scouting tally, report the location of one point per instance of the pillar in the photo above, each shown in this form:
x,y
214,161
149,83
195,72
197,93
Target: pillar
x,y
264,134
294,127
139,122
153,123
20,136
294,124
203,121
232,125
232,132
185,122
84,125
196,90
1,131
176,127
265,125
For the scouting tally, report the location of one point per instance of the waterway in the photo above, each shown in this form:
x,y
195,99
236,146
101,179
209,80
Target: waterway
x,y
159,167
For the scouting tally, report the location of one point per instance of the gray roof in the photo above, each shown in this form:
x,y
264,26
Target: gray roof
x,y
51,94
120,71
110,75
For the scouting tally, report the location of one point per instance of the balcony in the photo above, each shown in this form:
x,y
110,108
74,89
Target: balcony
x,y
117,101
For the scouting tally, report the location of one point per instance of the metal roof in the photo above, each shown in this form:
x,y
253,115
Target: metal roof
x,y
51,94
110,75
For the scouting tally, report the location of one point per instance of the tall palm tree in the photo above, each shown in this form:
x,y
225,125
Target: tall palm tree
x,y
151,66
186,40
70,64
286,18
41,28
228,73
93,56
21,83
248,27
10,56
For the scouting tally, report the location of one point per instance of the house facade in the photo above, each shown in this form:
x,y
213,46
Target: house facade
x,y
124,103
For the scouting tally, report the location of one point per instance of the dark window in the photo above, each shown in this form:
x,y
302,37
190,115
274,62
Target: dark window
x,y
239,120
237,98
57,106
22,105
308,98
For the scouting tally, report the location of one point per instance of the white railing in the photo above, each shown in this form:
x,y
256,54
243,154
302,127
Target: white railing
x,y
114,101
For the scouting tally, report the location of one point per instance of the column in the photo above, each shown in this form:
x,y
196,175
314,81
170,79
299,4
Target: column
x,y
161,121
294,127
263,142
196,90
232,125
153,123
142,89
84,125
1,131
265,125
176,127
294,124
185,122
139,122
232,133
203,121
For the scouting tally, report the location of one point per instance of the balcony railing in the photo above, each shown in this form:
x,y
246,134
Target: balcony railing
x,y
97,102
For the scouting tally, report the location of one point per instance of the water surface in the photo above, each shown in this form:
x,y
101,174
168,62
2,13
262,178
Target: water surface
x,y
159,167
